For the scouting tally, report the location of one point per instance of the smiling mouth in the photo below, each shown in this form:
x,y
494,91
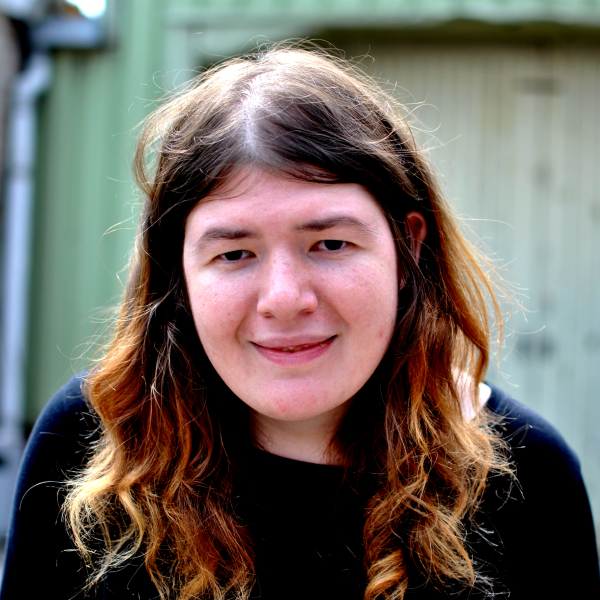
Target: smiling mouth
x,y
299,347
298,355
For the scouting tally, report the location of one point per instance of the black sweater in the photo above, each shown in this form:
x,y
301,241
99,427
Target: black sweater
x,y
536,541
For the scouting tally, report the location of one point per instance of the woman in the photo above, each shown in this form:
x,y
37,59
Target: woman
x,y
292,405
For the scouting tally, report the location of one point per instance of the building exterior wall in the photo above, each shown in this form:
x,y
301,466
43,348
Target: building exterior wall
x,y
85,201
513,128
363,13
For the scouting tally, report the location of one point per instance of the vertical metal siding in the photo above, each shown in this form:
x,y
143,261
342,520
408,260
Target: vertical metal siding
x,y
408,10
520,154
84,188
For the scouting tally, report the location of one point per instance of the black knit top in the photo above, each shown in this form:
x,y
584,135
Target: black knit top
x,y
535,539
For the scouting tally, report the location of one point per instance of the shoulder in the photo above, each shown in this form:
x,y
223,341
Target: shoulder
x,y
62,435
532,439
544,513
58,446
67,415
67,404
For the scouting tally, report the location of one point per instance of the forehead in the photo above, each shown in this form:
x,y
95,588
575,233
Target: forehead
x,y
268,199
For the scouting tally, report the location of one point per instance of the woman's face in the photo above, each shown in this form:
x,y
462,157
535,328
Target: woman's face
x,y
293,289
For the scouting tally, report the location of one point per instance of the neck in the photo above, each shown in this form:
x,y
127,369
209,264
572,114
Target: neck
x,y
308,440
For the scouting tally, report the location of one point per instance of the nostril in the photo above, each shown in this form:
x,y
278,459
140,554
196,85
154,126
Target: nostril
x,y
286,303
286,289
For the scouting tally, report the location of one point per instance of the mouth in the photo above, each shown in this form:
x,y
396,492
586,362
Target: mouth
x,y
298,347
297,354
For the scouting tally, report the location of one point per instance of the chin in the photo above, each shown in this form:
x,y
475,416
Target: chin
x,y
296,408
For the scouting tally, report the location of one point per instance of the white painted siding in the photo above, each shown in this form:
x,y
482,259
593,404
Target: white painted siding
x,y
519,129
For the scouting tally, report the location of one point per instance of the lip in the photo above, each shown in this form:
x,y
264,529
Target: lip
x,y
292,353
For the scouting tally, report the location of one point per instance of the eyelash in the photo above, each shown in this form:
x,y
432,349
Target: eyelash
x,y
342,242
241,254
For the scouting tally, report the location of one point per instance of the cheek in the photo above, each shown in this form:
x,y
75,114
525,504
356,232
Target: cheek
x,y
368,298
218,309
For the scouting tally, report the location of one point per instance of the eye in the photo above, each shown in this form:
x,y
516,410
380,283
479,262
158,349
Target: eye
x,y
235,255
330,245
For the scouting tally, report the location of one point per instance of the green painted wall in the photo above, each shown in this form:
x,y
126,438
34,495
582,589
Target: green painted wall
x,y
85,202
405,10
84,189
84,185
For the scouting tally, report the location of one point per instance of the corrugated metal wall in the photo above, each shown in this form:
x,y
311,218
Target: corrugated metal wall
x,y
516,134
518,130
85,204
399,11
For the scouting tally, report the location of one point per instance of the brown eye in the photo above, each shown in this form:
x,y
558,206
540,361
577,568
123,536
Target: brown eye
x,y
331,245
235,255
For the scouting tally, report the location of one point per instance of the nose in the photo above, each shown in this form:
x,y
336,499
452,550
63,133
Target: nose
x,y
286,290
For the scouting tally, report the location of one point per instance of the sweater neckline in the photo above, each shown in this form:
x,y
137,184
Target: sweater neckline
x,y
276,461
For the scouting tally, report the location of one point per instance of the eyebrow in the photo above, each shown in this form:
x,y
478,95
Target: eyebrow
x,y
336,221
224,233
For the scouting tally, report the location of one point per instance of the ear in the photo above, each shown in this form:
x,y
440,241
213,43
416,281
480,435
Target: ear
x,y
417,227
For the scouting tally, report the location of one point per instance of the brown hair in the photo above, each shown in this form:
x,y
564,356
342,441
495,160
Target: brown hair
x,y
161,478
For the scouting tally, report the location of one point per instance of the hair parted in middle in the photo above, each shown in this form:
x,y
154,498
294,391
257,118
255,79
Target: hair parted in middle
x,y
162,477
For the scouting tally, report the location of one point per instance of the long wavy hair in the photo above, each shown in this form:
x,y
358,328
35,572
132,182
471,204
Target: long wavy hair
x,y
160,480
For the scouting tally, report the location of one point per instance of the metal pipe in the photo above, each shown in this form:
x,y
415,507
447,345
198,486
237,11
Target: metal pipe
x,y
18,223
